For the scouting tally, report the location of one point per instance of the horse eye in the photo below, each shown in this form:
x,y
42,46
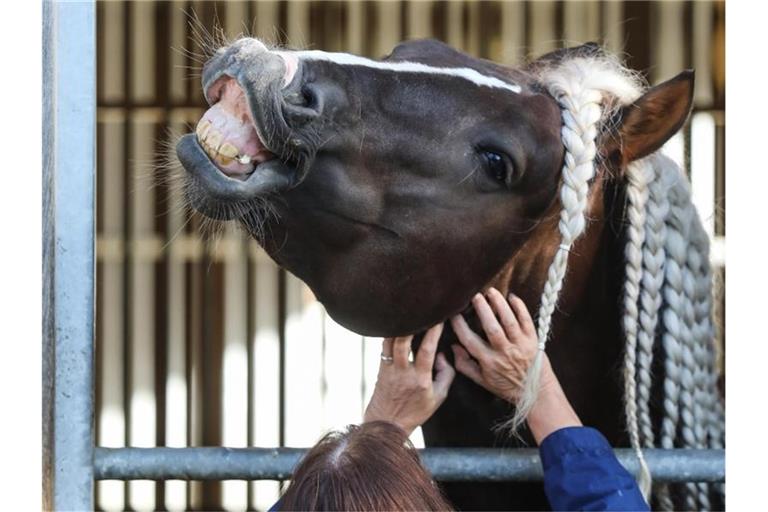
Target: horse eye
x,y
496,166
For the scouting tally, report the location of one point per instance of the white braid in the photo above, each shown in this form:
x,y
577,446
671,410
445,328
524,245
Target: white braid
x,y
704,351
700,331
673,331
668,279
715,420
688,336
639,174
681,213
689,410
710,431
579,85
654,255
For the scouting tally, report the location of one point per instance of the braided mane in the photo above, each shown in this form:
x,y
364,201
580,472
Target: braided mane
x,y
667,290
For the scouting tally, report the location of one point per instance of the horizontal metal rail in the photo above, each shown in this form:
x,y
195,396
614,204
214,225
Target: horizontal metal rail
x,y
446,464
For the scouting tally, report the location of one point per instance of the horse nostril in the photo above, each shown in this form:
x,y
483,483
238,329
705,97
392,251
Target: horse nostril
x,y
295,98
309,97
302,106
305,98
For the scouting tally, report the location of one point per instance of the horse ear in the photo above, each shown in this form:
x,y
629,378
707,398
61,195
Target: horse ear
x,y
646,124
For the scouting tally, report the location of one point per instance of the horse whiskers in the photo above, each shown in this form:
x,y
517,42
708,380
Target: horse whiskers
x,y
208,41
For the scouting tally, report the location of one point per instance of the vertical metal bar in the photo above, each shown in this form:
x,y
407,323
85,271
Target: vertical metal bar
x,y
512,32
303,358
581,22
612,17
142,419
266,362
48,362
69,181
667,42
176,384
472,35
454,25
112,70
419,20
542,27
354,30
297,22
234,385
110,404
388,15
703,42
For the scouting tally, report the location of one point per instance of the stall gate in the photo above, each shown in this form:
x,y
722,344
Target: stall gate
x,y
201,340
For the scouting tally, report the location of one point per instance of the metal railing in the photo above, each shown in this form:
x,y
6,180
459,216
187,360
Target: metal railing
x,y
68,254
444,464
72,460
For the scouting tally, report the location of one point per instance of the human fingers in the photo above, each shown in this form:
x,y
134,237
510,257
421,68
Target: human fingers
x,y
386,353
443,377
466,366
401,348
386,347
425,357
493,331
522,314
503,310
473,343
386,350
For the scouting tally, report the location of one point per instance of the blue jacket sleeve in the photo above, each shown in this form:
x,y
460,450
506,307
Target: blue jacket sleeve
x,y
582,473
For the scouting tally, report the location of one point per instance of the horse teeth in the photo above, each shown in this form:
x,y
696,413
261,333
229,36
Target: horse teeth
x,y
210,151
224,160
203,128
244,159
214,140
228,150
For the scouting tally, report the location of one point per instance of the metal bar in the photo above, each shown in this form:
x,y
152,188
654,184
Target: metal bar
x,y
68,186
446,464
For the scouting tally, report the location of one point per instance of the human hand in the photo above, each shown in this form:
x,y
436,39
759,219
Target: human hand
x,y
405,393
501,364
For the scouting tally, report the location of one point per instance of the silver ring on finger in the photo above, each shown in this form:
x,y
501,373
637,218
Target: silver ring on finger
x,y
387,359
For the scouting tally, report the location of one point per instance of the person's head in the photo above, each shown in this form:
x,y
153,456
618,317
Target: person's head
x,y
372,466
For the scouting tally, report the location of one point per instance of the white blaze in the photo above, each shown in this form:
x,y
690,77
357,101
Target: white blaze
x,y
346,59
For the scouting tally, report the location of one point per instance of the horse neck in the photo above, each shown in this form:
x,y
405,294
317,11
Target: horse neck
x,y
526,271
585,347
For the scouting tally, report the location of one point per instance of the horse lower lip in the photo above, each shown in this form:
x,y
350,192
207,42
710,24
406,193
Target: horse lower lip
x,y
269,177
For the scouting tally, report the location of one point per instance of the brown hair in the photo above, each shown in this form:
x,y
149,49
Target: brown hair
x,y
372,466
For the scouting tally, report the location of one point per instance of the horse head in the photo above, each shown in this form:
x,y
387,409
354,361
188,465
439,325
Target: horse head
x,y
398,188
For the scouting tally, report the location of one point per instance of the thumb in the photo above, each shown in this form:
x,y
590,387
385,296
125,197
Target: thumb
x,y
444,374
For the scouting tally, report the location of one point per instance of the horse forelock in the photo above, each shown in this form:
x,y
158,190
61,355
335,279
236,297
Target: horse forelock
x,y
600,72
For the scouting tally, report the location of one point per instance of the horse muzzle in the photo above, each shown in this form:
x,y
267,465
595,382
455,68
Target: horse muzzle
x,y
243,146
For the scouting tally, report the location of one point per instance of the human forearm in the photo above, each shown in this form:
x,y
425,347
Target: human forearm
x,y
552,410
